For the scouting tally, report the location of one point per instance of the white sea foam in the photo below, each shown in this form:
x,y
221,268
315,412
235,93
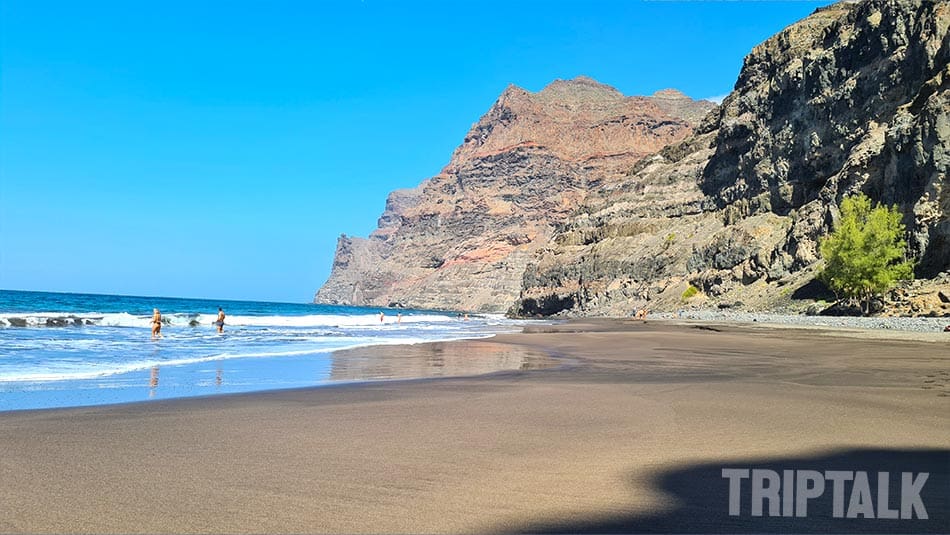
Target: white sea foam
x,y
329,320
97,370
68,346
124,319
94,370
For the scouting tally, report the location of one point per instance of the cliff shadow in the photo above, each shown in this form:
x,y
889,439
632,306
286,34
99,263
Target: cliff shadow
x,y
699,496
936,258
814,290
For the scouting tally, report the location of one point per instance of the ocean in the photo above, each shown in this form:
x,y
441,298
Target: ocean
x,y
60,350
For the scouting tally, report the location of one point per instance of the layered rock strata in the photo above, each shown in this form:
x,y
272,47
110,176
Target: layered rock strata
x,y
463,238
578,200
853,98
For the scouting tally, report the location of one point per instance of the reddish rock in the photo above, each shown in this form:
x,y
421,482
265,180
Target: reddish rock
x,y
462,239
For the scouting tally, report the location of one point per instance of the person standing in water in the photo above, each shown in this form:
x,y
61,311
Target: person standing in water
x,y
220,321
156,324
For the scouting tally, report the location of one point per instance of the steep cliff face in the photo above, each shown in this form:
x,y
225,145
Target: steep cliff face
x,y
579,200
853,98
582,120
463,238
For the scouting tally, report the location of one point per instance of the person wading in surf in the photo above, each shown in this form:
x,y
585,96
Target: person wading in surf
x,y
220,321
156,324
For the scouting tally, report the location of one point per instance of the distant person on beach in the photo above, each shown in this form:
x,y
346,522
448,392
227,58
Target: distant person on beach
x,y
399,317
156,324
382,317
220,321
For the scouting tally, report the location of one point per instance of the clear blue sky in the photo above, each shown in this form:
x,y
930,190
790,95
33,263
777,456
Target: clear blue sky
x,y
218,149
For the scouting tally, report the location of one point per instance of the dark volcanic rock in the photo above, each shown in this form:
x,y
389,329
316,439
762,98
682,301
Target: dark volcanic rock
x,y
843,309
853,98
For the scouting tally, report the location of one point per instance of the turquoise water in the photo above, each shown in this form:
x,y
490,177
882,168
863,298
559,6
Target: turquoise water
x,y
79,349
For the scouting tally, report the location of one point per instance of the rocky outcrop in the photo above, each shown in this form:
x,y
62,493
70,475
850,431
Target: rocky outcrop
x,y
929,298
853,98
463,239
578,200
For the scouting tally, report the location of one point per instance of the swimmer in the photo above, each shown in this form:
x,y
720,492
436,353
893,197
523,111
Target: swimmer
x,y
156,324
220,321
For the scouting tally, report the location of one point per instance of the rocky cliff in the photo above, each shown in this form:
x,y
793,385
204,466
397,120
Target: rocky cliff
x,y
463,238
578,200
854,98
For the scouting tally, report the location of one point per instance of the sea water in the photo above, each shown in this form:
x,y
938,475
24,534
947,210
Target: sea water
x,y
60,349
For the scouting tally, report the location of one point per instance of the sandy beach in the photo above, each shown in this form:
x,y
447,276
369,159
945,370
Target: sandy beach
x,y
626,431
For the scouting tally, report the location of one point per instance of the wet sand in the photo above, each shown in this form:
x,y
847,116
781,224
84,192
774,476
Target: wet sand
x,y
239,375
627,432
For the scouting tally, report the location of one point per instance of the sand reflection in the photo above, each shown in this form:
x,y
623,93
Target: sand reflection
x,y
438,359
152,381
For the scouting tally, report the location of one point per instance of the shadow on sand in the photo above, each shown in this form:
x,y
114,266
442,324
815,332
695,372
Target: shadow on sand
x,y
699,498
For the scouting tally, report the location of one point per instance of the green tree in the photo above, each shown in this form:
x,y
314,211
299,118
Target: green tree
x,y
865,254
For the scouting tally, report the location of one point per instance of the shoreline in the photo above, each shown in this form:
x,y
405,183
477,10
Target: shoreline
x,y
780,322
826,326
614,441
235,376
342,367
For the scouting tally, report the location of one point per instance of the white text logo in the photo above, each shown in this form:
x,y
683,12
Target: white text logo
x,y
852,493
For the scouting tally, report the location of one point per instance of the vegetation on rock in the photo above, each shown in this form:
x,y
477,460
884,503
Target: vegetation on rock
x,y
866,253
690,292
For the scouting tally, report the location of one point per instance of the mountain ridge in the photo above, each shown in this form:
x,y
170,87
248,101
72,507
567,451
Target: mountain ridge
x,y
578,200
462,238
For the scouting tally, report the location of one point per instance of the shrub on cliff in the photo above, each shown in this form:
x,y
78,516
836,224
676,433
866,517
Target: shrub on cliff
x,y
865,254
690,292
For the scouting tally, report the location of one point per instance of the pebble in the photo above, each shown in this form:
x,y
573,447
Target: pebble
x,y
875,323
